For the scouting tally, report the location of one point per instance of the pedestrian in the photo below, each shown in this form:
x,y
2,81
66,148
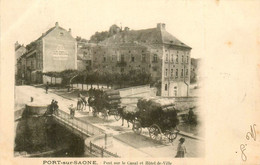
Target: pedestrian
x,y
181,150
190,116
47,87
55,107
71,110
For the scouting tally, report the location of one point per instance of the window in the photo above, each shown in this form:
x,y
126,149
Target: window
x,y
166,57
166,72
172,58
187,59
176,74
129,51
171,72
182,59
122,70
155,58
104,58
133,59
154,68
143,58
177,58
122,58
61,33
187,72
165,87
143,69
181,72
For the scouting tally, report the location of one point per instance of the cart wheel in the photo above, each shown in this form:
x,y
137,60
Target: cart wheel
x,y
155,132
137,127
171,135
117,116
105,114
94,111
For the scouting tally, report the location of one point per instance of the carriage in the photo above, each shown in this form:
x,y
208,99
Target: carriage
x,y
157,115
105,102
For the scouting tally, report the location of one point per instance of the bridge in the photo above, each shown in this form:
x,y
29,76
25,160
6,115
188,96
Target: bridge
x,y
96,139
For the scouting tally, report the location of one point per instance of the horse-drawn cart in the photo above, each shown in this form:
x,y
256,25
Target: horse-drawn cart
x,y
105,102
159,117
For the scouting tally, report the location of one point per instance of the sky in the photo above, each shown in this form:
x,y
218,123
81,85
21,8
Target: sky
x,y
32,18
224,33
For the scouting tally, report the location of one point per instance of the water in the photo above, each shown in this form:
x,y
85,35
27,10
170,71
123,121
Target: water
x,y
43,137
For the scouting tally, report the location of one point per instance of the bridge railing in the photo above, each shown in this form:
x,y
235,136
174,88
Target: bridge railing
x,y
82,125
98,151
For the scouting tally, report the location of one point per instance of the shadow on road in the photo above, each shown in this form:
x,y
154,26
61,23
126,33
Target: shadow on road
x,y
137,141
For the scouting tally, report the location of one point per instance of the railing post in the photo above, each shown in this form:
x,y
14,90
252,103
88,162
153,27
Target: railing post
x,y
90,145
102,152
105,140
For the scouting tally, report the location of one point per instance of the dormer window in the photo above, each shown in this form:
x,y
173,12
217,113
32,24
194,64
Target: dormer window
x,y
61,34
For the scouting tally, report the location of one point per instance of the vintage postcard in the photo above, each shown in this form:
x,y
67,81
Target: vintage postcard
x,y
130,82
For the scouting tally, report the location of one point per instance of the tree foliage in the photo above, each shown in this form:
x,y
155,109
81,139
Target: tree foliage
x,y
133,78
101,36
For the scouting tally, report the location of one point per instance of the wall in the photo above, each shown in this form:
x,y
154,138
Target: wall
x,y
51,80
132,94
59,51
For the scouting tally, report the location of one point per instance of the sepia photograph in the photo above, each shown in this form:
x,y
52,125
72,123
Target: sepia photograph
x,y
131,80
121,89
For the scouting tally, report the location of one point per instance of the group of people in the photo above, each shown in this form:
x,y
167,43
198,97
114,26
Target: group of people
x,y
53,107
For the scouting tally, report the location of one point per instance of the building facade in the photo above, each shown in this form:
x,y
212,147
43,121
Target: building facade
x,y
54,51
154,51
19,51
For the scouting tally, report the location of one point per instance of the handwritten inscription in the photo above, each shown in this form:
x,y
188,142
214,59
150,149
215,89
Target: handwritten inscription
x,y
251,135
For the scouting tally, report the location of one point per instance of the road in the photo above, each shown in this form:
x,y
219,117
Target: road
x,y
124,138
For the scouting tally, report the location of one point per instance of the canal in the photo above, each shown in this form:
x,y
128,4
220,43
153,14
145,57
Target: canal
x,y
41,136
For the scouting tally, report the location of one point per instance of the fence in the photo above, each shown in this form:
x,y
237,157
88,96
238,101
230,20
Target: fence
x,y
88,129
98,151
80,124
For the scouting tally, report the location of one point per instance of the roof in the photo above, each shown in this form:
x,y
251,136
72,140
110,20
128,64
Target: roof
x,y
145,36
48,31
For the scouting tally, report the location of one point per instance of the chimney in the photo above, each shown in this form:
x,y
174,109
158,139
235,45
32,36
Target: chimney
x,y
56,24
161,26
16,44
70,30
126,29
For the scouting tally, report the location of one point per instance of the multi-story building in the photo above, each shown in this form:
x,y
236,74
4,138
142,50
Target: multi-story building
x,y
85,55
19,51
154,51
54,51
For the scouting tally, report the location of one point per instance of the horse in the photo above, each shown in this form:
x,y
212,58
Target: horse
x,y
125,116
82,103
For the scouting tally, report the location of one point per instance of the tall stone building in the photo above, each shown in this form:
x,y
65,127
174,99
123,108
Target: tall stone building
x,y
54,51
154,51
19,51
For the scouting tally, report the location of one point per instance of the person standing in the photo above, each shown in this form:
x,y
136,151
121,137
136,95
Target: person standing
x,y
47,87
55,107
71,111
190,116
181,149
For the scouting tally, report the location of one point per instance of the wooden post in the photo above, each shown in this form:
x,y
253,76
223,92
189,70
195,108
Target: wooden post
x,y
102,152
105,140
90,144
